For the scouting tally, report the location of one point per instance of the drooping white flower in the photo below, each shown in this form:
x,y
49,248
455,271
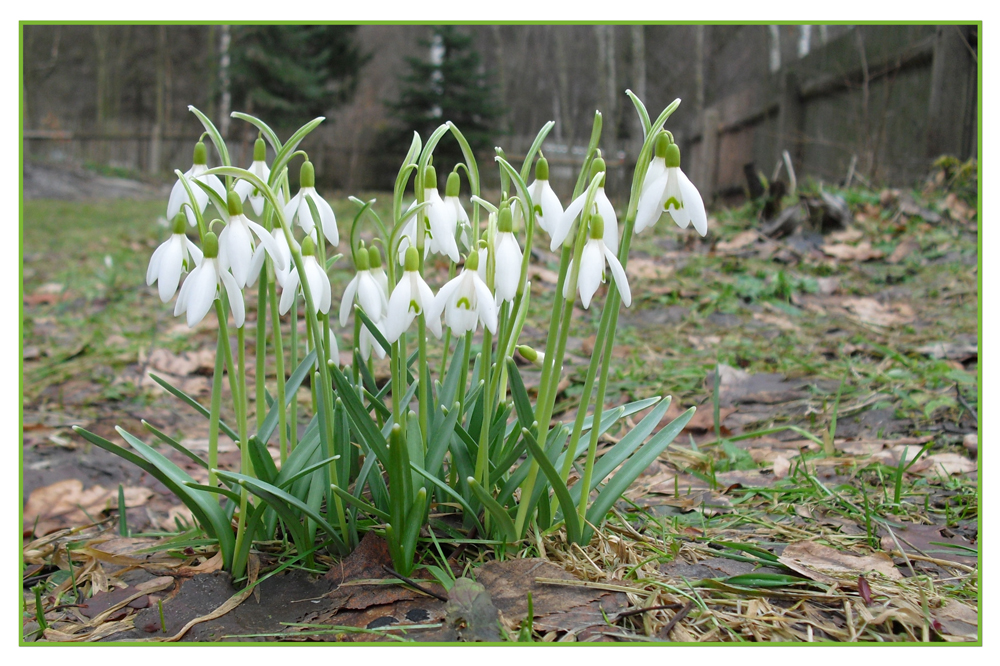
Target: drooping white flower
x,y
316,278
548,208
280,275
507,252
454,208
179,196
236,244
176,255
201,287
408,236
666,189
375,266
442,217
465,301
367,342
595,256
365,287
603,207
260,169
410,297
298,208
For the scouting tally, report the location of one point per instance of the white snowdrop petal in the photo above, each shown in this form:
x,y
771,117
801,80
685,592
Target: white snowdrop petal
x,y
170,267
202,294
399,316
607,211
289,288
369,295
650,203
348,301
328,219
154,264
693,203
552,210
566,221
439,304
485,304
235,298
591,271
621,280
267,240
194,251
508,266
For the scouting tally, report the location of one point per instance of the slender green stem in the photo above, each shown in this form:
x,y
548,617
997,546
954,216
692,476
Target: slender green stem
x,y
293,343
215,411
260,353
279,362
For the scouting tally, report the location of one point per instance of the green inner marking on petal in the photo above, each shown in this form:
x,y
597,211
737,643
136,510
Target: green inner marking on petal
x,y
672,201
538,209
464,303
414,307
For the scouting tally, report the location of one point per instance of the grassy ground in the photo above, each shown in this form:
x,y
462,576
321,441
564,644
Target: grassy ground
x,y
822,366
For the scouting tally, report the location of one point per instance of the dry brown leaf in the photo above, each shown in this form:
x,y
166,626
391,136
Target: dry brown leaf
x,y
957,209
958,620
932,541
956,351
543,274
849,235
946,464
902,251
827,565
870,311
828,285
781,467
186,363
863,251
775,320
739,241
648,269
67,503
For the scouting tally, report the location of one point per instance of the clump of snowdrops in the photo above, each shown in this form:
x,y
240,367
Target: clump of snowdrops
x,y
397,458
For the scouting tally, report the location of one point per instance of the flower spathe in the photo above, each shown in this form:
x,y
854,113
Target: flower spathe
x,y
666,189
316,278
298,208
465,301
201,287
236,246
178,194
260,169
172,258
410,297
593,259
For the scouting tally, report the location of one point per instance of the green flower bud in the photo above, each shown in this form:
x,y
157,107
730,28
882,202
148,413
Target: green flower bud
x,y
673,156
308,247
472,262
307,175
412,262
259,150
505,220
361,260
542,169
662,142
598,166
180,223
597,226
527,352
210,245
454,185
374,257
200,153
233,203
430,178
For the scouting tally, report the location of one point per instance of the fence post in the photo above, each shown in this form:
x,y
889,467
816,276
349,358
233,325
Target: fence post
x,y
789,118
953,70
708,167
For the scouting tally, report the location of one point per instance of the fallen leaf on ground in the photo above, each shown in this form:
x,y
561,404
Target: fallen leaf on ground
x,y
827,565
902,251
870,311
648,269
774,320
67,504
739,386
946,464
955,351
739,241
935,541
471,612
863,251
957,620
849,235
185,363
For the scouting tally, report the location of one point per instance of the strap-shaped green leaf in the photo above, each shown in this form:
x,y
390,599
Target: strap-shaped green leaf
x,y
522,403
170,441
292,384
450,492
285,154
359,503
193,403
561,491
614,457
263,463
213,133
268,133
632,468
441,437
373,329
360,418
529,157
501,517
640,108
225,492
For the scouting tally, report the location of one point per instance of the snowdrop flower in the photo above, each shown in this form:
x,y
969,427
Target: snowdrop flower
x,y
604,209
179,196
201,288
548,209
365,287
375,266
442,217
453,207
259,168
411,297
319,281
172,258
285,252
666,189
298,207
592,262
508,255
236,244
409,235
465,301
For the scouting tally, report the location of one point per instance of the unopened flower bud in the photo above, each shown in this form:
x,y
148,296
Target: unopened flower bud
x,y
662,142
308,247
598,166
505,220
531,355
412,262
672,157
430,178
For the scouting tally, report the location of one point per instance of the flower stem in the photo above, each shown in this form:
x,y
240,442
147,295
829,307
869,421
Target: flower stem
x,y
293,343
215,411
260,351
279,361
